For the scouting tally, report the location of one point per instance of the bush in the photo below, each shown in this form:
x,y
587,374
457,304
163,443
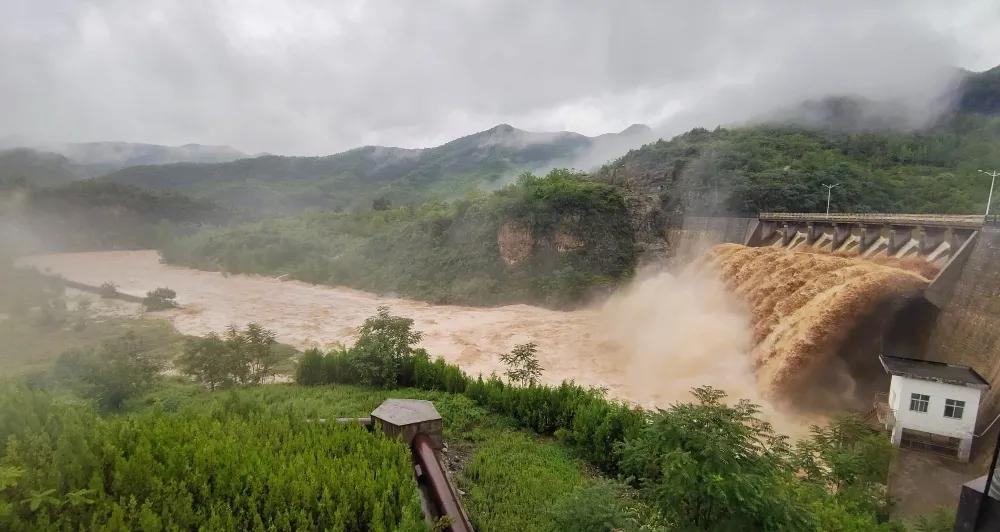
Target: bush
x,y
107,290
118,370
310,368
159,299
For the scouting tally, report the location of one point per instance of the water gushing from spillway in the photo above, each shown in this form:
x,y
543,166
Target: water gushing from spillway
x,y
818,321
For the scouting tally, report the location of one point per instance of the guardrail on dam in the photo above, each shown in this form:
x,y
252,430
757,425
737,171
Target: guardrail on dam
x,y
933,238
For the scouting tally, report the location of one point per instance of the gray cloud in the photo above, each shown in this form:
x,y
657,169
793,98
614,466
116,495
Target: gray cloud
x,y
318,77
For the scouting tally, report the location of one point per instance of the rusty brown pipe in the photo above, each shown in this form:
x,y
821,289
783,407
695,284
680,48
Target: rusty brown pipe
x,y
441,491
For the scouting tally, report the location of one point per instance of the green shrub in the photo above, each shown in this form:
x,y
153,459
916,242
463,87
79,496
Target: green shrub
x,y
120,369
107,289
310,368
159,299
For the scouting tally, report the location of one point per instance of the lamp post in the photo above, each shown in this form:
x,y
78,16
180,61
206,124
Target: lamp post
x,y
829,192
993,181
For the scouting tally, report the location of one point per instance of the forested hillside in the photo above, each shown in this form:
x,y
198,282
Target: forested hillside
x,y
781,165
552,240
98,158
748,170
88,215
36,167
388,176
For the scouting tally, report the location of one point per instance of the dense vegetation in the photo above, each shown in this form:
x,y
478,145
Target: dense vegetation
x,y
781,168
703,465
88,215
443,251
233,465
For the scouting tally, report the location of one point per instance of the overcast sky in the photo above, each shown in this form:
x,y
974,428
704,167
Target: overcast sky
x,y
317,77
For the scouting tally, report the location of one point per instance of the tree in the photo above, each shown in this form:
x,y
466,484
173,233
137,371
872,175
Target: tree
x,y
712,466
384,343
209,360
522,364
311,369
238,357
107,289
160,299
258,348
118,370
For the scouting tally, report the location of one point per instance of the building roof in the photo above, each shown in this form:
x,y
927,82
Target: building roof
x,y
929,370
401,412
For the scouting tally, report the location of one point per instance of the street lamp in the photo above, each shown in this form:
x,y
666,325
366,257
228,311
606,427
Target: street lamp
x,y
989,200
829,192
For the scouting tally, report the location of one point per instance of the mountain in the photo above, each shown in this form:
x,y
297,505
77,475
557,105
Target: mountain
x,y
98,158
58,164
779,167
85,215
979,92
36,167
484,160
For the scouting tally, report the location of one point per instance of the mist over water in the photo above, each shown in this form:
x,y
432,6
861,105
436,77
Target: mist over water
x,y
797,333
676,331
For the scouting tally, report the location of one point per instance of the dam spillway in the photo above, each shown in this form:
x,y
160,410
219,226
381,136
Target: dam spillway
x,y
954,319
818,320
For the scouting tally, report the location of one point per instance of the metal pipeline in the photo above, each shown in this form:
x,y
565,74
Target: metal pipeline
x,y
443,495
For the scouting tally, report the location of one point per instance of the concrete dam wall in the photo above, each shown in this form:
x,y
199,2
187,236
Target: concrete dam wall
x,y
967,330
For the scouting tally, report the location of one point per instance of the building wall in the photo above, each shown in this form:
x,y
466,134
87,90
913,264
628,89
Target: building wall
x,y
933,420
967,330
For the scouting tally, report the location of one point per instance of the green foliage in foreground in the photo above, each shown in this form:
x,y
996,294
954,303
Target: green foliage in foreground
x,y
236,464
706,464
513,480
113,373
513,472
578,238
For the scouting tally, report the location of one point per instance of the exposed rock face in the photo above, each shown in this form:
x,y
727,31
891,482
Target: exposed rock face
x,y
567,242
515,241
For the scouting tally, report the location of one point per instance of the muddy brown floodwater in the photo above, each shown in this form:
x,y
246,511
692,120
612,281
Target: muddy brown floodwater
x,y
649,344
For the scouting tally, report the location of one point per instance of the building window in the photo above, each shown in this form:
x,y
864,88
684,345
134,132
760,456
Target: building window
x,y
918,402
953,408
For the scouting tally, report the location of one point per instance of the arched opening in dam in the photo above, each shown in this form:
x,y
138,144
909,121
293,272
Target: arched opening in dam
x,y
820,321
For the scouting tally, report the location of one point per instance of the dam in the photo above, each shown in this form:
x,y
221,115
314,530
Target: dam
x,y
948,310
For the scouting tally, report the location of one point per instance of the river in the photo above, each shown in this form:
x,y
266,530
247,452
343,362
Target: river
x,y
649,344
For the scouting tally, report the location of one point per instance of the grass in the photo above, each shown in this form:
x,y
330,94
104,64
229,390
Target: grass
x,y
513,479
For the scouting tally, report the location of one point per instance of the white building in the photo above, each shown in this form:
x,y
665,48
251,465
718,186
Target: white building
x,y
932,405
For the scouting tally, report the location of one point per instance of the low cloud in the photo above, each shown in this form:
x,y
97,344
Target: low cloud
x,y
314,77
